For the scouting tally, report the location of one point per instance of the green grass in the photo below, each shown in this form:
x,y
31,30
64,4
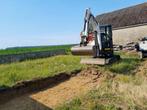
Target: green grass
x,y
10,74
73,105
99,99
77,104
33,49
127,63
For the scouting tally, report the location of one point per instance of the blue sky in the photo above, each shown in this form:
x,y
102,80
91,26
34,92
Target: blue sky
x,y
49,22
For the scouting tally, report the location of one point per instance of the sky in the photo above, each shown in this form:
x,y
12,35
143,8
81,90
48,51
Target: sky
x,y
49,22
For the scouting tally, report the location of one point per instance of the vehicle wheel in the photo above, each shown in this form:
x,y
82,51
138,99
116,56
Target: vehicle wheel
x,y
141,55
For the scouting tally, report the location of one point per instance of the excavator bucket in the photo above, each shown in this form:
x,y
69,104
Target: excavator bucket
x,y
82,50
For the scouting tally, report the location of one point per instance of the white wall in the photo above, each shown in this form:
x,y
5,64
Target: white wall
x,y
131,34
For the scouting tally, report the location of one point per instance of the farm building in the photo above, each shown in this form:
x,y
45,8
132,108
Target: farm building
x,y
129,24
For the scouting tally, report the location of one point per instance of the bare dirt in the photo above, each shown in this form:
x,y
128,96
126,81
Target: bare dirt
x,y
51,97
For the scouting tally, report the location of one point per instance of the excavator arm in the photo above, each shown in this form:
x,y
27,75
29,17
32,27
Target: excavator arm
x,y
96,40
91,33
90,26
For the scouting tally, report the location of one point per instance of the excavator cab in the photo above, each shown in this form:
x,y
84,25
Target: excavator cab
x,y
106,49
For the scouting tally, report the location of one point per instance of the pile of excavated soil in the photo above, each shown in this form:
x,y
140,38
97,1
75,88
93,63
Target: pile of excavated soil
x,y
51,97
91,73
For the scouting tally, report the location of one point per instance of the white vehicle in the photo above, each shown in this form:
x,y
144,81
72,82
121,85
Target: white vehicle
x,y
142,47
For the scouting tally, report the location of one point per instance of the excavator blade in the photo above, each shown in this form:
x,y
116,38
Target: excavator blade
x,y
94,61
100,61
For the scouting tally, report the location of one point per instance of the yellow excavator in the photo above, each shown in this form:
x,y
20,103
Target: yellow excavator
x,y
96,41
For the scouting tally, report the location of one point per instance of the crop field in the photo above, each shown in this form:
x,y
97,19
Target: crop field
x,y
19,50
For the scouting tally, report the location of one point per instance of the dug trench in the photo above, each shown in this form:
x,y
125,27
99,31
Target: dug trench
x,y
47,93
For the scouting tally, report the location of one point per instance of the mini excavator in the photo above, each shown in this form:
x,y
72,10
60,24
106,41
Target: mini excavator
x,y
96,41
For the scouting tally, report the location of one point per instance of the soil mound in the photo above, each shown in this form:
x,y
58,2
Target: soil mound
x,y
92,73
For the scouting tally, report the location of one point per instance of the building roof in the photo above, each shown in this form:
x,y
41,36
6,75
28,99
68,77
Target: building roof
x,y
125,17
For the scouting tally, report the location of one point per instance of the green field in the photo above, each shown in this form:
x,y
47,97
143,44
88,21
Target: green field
x,y
125,90
10,74
18,50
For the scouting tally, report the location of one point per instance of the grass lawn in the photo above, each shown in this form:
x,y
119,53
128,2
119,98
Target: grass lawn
x,y
12,73
128,62
18,50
